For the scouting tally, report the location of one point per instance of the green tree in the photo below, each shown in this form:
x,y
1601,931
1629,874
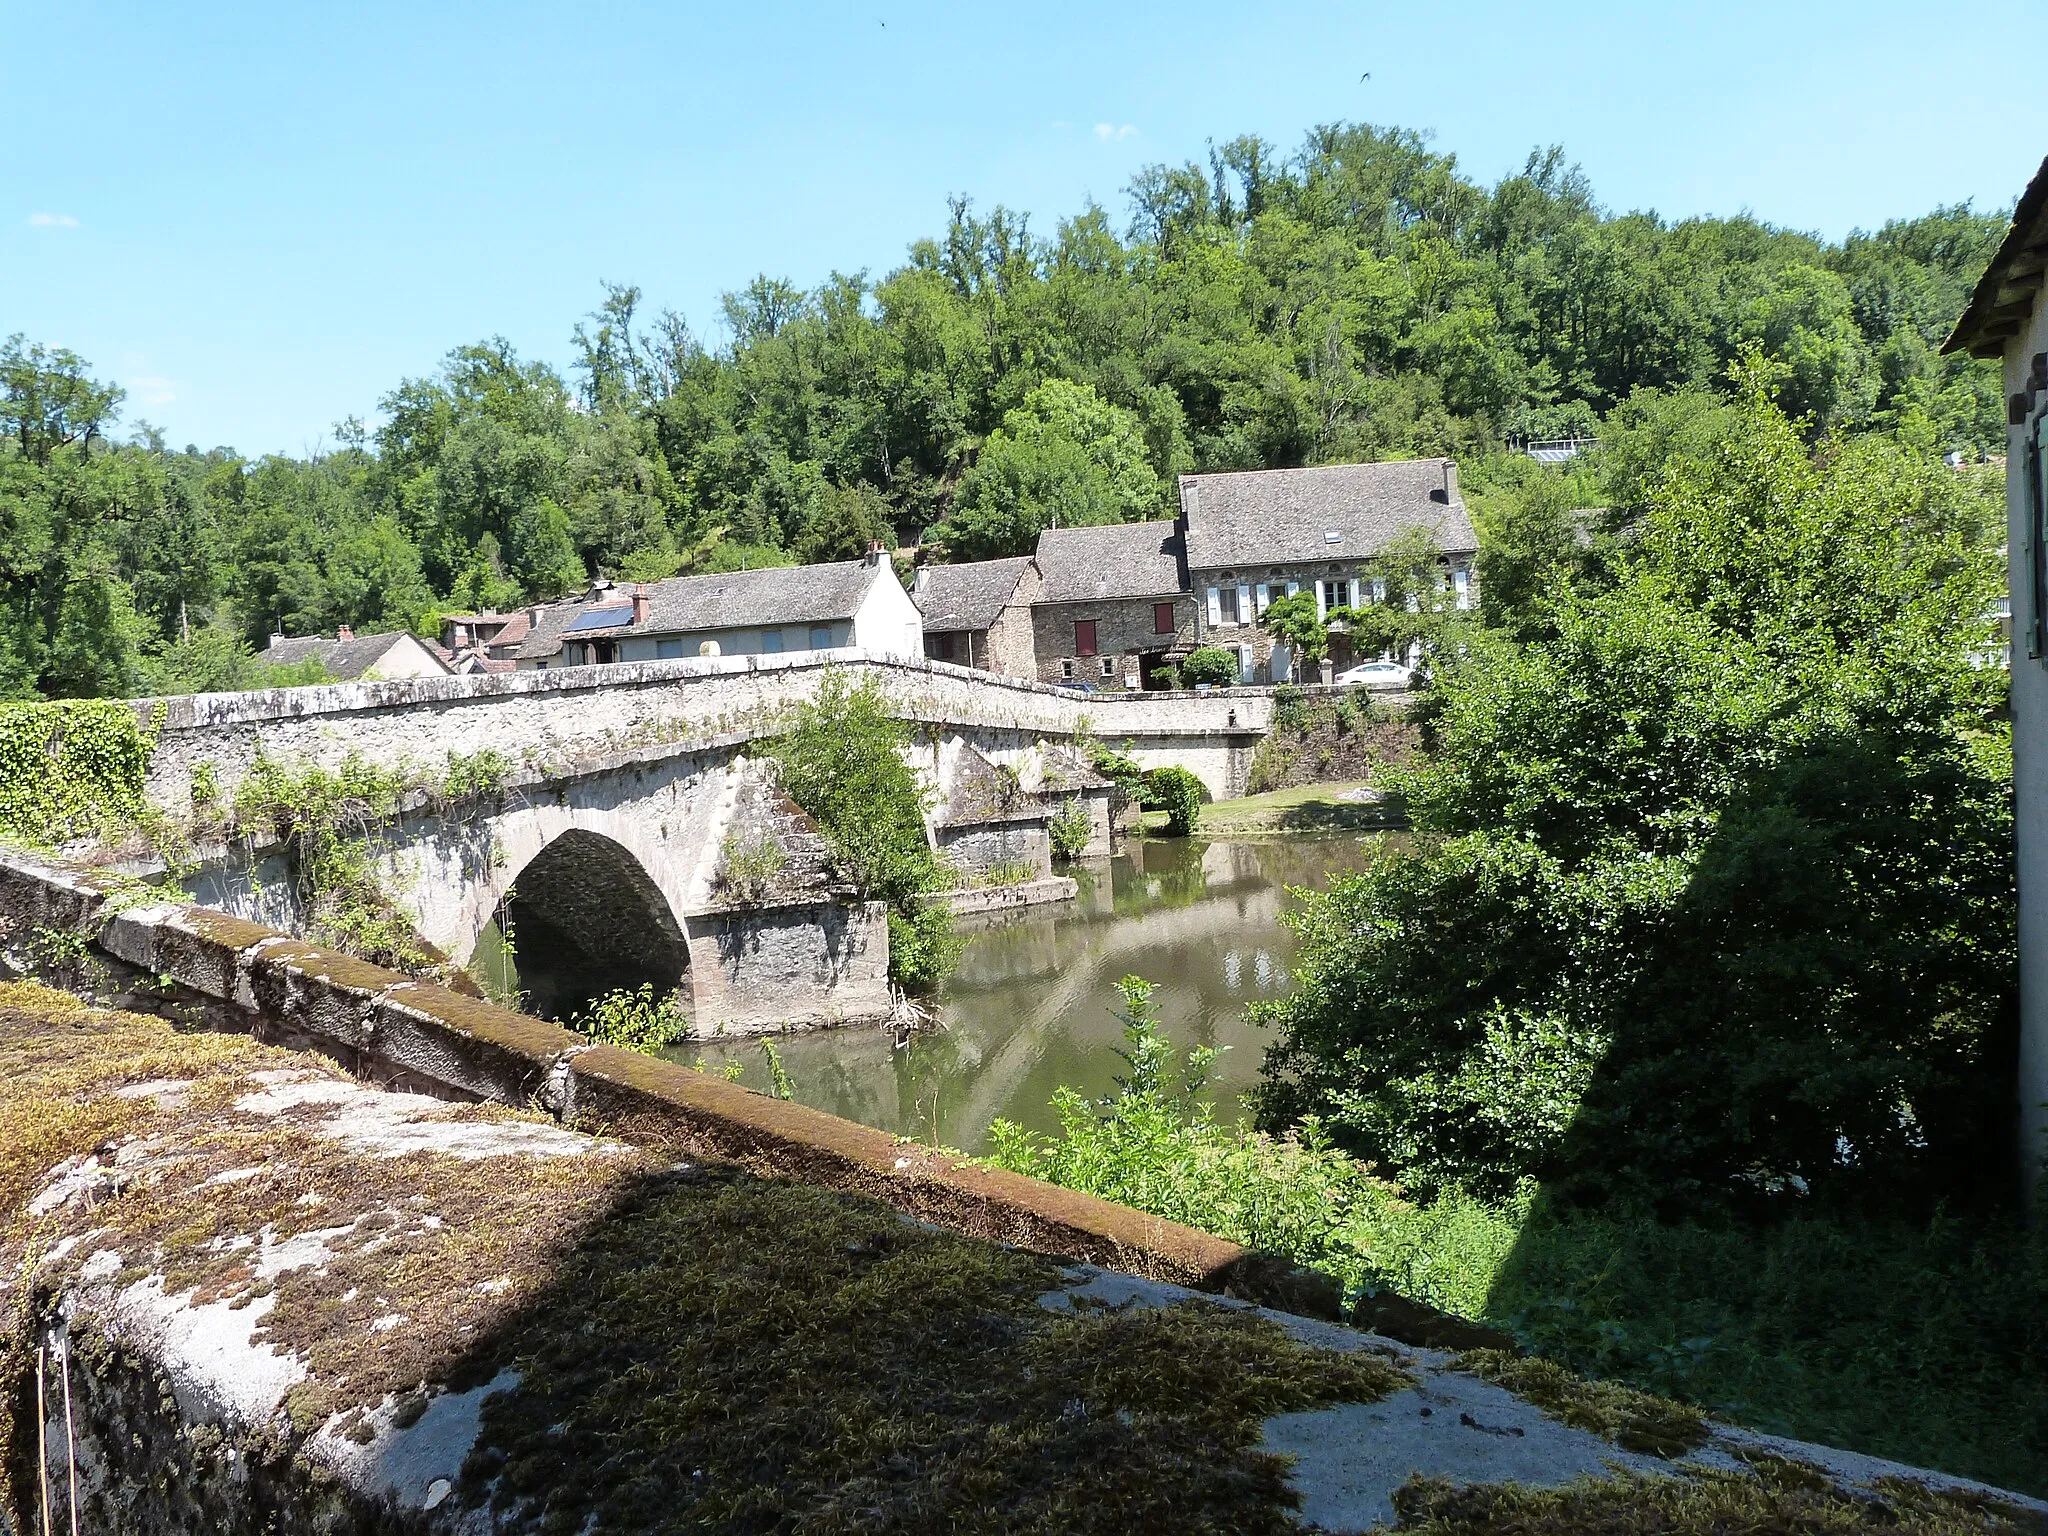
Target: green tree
x,y
1065,458
1294,622
1722,859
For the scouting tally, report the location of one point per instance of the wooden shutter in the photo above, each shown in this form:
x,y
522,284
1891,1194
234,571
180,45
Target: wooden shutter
x,y
1084,637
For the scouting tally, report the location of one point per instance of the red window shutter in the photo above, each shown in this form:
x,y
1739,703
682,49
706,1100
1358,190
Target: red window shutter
x,y
1162,618
1084,637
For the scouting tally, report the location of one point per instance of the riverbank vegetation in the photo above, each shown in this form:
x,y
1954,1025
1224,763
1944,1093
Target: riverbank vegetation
x,y
1357,298
1680,1043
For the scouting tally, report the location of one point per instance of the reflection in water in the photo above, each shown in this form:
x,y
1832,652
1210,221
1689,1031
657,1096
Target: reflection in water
x,y
1030,1008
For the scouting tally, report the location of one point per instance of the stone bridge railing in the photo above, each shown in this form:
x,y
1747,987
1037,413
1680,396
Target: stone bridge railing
x,y
554,721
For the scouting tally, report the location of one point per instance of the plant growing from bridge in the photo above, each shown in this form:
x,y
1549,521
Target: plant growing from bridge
x,y
843,760
1070,828
747,867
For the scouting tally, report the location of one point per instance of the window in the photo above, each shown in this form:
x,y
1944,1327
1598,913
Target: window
x,y
771,642
1084,637
821,637
1226,605
1066,666
1335,594
939,647
667,650
1462,580
1162,618
1109,666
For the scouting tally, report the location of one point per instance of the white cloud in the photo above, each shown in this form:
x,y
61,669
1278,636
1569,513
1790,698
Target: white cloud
x,y
151,389
1109,133
52,221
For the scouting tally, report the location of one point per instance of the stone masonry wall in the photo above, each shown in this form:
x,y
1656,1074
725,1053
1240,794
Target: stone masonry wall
x,y
1124,631
551,721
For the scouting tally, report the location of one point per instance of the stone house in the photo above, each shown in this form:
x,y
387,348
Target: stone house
x,y
486,642
979,614
1257,536
1114,606
732,613
353,658
2007,319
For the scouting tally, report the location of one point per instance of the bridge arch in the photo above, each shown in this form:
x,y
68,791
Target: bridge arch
x,y
585,918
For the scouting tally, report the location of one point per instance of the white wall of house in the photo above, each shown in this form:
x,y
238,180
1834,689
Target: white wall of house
x,y
887,622
406,658
2030,757
769,641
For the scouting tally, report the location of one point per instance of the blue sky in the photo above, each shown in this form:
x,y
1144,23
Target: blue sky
x,y
259,218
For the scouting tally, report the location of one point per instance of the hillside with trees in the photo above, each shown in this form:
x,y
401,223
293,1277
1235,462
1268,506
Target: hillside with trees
x,y
1360,298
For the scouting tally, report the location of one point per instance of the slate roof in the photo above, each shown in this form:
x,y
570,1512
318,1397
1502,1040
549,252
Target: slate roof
x,y
1285,516
2006,293
345,660
970,596
794,594
544,637
1116,560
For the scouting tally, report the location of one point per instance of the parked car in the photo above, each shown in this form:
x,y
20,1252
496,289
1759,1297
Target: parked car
x,y
1377,674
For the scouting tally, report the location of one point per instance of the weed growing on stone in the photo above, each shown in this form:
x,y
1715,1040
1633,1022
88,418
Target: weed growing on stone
x,y
1635,1421
1070,829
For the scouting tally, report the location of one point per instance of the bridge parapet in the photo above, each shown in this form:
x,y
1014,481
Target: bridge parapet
x,y
553,721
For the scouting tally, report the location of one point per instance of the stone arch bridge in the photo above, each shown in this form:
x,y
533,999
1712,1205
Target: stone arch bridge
x,y
628,785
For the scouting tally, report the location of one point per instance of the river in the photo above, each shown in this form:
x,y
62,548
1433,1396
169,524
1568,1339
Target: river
x,y
1032,1006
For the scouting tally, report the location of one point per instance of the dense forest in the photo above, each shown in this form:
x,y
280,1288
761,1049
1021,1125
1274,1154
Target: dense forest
x,y
1358,299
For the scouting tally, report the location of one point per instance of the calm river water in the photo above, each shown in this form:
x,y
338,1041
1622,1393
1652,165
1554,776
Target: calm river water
x,y
1032,1005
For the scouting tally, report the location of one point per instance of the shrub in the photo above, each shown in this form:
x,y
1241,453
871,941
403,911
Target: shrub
x,y
1156,1146
634,1021
1290,708
1210,665
842,761
922,948
1070,829
1167,677
1178,793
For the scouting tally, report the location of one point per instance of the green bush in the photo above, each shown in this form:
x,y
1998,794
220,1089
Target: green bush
x,y
1723,859
70,769
634,1021
1156,1146
922,948
1178,793
1210,665
1070,828
842,760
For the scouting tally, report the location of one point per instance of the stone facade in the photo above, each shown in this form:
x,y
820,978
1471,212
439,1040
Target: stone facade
x,y
1128,644
1228,603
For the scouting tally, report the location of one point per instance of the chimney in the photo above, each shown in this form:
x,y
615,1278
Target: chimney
x,y
344,633
921,578
641,603
1450,480
875,551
